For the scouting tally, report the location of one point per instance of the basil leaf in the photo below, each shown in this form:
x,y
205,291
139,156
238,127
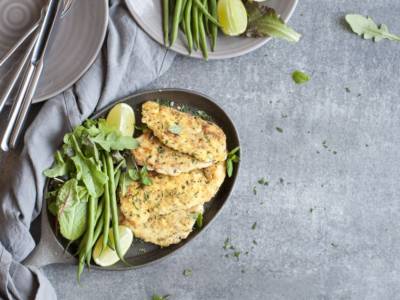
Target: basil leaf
x,y
264,21
71,211
368,29
299,77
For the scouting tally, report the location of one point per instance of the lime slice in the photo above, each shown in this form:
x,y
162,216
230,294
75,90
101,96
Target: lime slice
x,y
232,16
122,117
109,257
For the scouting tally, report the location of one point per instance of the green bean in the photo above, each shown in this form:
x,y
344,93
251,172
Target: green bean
x,y
175,20
213,27
90,229
165,5
206,23
203,38
97,231
187,21
81,265
205,12
107,208
195,24
114,208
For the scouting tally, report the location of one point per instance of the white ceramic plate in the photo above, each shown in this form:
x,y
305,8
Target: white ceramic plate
x,y
77,44
148,14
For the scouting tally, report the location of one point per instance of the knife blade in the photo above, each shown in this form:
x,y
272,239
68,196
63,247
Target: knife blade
x,y
46,35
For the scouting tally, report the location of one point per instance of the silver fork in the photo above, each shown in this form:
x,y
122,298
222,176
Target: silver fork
x,y
67,6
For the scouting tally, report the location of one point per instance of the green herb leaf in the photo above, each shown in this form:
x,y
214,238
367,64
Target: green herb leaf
x,y
72,210
158,297
60,168
368,29
300,77
264,21
199,220
229,167
187,272
175,129
88,171
144,176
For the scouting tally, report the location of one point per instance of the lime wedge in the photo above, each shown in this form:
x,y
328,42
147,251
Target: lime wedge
x,y
232,16
122,117
108,257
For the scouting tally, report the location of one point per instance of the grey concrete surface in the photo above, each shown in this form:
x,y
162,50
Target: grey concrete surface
x,y
328,223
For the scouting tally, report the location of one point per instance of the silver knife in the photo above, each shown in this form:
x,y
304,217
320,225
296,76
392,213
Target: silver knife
x,y
23,100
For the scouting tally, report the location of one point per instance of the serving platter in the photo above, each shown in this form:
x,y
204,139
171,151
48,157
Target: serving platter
x,y
51,248
78,42
148,14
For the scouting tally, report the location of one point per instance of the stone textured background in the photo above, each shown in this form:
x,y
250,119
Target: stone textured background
x,y
327,224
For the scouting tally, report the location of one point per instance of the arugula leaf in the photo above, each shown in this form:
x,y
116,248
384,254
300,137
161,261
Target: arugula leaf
x,y
232,157
368,29
264,21
60,168
71,210
300,77
88,171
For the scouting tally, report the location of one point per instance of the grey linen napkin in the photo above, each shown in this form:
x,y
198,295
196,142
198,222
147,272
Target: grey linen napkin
x,y
129,61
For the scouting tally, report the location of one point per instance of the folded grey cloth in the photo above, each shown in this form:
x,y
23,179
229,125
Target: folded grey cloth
x,y
129,61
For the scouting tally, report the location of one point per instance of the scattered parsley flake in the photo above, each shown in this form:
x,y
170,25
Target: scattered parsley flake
x,y
187,272
300,77
254,226
280,130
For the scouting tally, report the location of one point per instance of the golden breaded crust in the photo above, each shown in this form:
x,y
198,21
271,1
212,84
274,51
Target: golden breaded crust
x,y
162,159
165,230
185,133
144,206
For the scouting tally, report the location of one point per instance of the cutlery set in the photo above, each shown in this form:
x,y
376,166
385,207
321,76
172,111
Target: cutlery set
x,y
30,68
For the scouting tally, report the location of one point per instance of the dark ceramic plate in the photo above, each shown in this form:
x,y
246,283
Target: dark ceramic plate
x,y
142,253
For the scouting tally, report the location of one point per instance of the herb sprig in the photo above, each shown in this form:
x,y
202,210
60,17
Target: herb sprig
x,y
233,157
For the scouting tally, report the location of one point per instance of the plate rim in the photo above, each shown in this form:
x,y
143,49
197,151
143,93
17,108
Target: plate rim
x,y
212,56
89,64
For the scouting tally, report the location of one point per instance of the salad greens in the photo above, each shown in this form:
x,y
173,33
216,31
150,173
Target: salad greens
x,y
368,29
264,21
86,174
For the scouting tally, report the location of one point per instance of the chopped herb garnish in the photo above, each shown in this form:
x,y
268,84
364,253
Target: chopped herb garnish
x,y
280,130
199,221
237,254
254,190
175,129
347,90
255,242
300,77
141,127
202,114
187,272
158,297
254,226
232,158
263,181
